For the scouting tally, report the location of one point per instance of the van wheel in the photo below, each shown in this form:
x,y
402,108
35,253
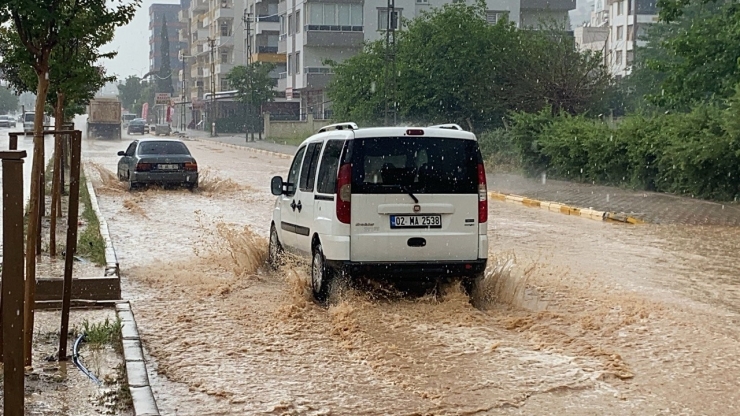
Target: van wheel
x,y
320,275
471,284
275,249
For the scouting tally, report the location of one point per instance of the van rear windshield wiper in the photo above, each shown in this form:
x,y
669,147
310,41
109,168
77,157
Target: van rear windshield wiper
x,y
411,194
404,188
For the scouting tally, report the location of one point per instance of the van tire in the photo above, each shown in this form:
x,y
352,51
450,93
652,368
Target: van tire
x,y
321,275
471,284
274,249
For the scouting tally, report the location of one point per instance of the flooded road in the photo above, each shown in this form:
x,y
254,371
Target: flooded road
x,y
580,317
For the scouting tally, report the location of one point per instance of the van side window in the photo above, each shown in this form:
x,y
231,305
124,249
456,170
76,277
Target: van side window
x,y
329,167
308,171
294,170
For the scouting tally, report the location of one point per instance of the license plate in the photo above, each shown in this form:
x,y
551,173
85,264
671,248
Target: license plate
x,y
167,167
416,221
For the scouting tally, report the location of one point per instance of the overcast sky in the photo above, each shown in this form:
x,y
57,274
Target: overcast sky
x,y
132,43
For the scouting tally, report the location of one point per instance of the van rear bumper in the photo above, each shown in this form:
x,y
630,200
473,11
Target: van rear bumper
x,y
410,270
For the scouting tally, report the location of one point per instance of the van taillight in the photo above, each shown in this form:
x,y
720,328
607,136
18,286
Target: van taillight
x,y
482,195
143,167
344,194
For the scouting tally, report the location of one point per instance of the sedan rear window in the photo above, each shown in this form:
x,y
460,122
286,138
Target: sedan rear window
x,y
414,164
163,148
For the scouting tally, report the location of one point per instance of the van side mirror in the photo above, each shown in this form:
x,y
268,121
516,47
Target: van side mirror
x,y
121,153
276,185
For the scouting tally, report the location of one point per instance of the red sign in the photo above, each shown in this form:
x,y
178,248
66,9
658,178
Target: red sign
x,y
169,114
145,111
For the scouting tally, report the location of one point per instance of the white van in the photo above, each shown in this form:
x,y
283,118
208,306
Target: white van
x,y
392,202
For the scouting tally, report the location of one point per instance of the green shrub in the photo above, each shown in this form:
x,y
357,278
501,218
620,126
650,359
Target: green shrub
x,y
498,150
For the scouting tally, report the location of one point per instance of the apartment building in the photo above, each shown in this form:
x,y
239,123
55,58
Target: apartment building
x,y
158,12
314,31
214,32
622,39
612,30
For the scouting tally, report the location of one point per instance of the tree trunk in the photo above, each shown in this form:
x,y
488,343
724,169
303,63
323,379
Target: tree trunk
x,y
56,194
32,237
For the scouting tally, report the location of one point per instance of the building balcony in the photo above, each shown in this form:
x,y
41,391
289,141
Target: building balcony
x,y
224,41
333,36
316,77
223,13
184,36
548,5
283,81
262,26
223,68
283,45
196,71
183,16
199,6
273,57
200,35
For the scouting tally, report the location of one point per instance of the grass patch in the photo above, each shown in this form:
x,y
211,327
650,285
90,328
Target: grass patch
x,y
97,335
90,243
291,141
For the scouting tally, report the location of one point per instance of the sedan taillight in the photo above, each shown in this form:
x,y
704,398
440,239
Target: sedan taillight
x,y
143,167
191,166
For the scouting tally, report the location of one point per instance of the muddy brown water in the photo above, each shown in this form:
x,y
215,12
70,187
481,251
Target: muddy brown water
x,y
580,317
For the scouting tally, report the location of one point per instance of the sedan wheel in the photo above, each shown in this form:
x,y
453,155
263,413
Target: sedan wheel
x,y
320,276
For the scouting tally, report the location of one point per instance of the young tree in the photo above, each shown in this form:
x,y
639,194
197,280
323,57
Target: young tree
x,y
40,26
130,91
254,88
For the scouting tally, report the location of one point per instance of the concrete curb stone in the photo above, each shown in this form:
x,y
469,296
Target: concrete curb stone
x,y
234,146
136,373
566,209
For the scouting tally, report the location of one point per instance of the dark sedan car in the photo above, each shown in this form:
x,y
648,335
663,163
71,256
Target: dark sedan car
x,y
137,125
158,161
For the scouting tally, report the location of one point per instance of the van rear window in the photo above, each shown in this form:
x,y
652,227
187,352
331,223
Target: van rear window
x,y
423,165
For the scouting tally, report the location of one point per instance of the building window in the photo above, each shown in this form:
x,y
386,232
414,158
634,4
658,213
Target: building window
x,y
225,29
620,8
298,22
620,32
224,58
383,19
290,24
494,16
630,34
290,64
630,58
619,58
425,1
282,25
330,14
297,62
224,85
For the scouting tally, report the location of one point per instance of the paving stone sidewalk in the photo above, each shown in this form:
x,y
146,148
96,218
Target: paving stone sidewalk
x,y
651,207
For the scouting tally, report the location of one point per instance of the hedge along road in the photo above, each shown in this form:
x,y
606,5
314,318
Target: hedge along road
x,y
586,317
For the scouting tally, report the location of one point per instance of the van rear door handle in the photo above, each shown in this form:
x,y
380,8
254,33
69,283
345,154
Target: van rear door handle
x,y
293,205
300,207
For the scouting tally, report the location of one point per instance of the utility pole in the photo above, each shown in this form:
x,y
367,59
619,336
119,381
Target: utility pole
x,y
183,125
212,45
390,63
247,19
634,32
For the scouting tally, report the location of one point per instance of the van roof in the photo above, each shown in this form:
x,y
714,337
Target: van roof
x,y
350,131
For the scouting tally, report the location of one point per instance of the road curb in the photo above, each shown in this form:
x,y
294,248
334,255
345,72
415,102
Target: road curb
x,y
566,209
111,259
236,146
133,355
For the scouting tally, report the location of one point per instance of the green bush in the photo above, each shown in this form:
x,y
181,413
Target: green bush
x,y
499,150
695,154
